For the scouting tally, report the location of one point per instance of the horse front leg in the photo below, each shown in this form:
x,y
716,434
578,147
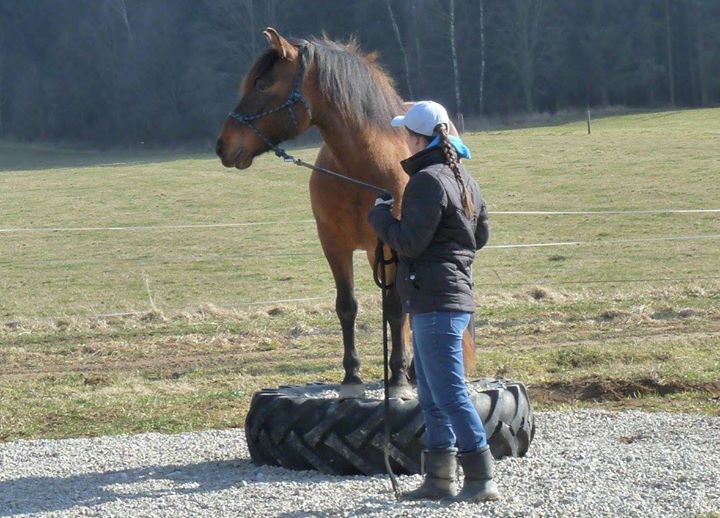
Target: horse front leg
x,y
346,307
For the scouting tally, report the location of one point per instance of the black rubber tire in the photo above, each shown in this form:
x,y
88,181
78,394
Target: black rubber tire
x,y
285,427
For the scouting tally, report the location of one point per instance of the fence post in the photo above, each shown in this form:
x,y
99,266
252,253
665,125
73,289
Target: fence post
x,y
588,121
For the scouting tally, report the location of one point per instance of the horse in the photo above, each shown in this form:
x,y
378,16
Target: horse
x,y
296,84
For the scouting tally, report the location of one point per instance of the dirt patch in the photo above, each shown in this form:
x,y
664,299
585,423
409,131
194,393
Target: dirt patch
x,y
672,314
539,293
615,389
92,379
576,358
166,367
612,315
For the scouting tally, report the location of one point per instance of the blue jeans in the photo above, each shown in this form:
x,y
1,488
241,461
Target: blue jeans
x,y
450,417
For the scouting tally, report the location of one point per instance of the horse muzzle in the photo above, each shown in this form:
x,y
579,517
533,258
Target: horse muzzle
x,y
238,158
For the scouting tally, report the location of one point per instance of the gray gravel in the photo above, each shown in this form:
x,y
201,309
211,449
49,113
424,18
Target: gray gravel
x,y
584,463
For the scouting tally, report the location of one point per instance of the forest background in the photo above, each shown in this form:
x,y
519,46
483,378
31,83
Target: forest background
x,y
129,73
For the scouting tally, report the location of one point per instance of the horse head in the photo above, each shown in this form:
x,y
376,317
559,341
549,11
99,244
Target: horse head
x,y
272,107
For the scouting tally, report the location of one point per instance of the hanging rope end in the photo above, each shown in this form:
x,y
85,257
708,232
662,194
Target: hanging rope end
x,y
393,479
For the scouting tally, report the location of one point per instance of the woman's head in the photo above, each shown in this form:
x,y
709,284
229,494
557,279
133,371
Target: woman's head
x,y
426,121
422,118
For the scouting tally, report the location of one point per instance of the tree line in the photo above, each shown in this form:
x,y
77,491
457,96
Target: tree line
x,y
126,72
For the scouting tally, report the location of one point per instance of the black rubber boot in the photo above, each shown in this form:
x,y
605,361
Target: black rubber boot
x,y
440,476
478,469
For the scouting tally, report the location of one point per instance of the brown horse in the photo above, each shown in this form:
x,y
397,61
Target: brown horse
x,y
347,95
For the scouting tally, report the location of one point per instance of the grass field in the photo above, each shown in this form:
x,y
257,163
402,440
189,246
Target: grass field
x,y
622,320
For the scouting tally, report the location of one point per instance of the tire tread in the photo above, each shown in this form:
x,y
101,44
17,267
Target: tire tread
x,y
345,437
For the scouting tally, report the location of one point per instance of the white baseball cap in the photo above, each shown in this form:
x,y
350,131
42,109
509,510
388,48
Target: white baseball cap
x,y
423,117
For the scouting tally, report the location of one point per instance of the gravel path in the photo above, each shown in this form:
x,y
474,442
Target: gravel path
x,y
584,463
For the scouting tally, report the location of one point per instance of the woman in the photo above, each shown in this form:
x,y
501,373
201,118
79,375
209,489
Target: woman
x,y
444,221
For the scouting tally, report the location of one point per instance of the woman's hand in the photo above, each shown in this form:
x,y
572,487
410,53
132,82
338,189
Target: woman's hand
x,y
385,199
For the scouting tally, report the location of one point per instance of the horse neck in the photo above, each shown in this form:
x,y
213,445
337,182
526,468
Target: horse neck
x,y
364,152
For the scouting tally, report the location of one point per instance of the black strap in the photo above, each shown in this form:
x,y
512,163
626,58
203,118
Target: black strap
x,y
380,264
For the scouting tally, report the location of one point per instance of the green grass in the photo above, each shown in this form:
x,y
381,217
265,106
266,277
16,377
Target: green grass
x,y
608,324
664,160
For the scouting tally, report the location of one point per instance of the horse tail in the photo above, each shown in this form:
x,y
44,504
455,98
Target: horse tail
x,y
469,353
406,336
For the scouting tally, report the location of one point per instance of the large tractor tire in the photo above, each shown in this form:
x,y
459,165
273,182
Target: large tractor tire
x,y
301,428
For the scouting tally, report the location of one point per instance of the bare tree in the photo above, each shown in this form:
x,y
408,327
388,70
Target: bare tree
x,y
453,53
122,11
481,106
234,27
400,45
3,53
700,43
2,86
523,19
669,48
271,11
414,30
250,7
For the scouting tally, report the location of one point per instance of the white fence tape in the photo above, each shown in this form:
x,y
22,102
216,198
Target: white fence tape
x,y
609,241
162,259
190,226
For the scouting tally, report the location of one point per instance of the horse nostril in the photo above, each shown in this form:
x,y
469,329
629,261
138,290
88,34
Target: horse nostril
x,y
219,148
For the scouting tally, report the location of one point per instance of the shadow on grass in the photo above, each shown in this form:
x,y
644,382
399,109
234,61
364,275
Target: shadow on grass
x,y
17,157
31,158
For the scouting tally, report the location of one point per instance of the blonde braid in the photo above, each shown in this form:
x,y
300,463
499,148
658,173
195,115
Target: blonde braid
x,y
452,161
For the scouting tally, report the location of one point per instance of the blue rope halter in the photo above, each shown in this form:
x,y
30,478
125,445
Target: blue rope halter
x,y
295,97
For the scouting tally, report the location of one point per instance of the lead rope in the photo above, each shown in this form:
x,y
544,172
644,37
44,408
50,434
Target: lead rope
x,y
380,263
379,275
381,280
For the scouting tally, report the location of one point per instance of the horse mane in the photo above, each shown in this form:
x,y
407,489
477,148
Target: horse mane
x,y
352,81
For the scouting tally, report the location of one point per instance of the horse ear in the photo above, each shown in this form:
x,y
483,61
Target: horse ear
x,y
286,49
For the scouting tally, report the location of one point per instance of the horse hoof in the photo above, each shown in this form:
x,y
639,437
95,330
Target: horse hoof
x,y
351,390
402,392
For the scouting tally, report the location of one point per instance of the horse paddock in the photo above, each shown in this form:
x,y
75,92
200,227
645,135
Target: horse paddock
x,y
154,293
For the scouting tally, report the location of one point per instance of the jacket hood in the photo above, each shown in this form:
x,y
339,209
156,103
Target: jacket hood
x,y
423,159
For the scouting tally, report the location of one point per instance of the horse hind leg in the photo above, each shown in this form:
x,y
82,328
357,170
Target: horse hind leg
x,y
399,354
399,334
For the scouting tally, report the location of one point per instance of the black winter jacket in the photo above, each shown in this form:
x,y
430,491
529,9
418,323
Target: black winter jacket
x,y
434,239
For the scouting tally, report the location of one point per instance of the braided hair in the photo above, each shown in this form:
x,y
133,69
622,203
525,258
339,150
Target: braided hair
x,y
451,159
